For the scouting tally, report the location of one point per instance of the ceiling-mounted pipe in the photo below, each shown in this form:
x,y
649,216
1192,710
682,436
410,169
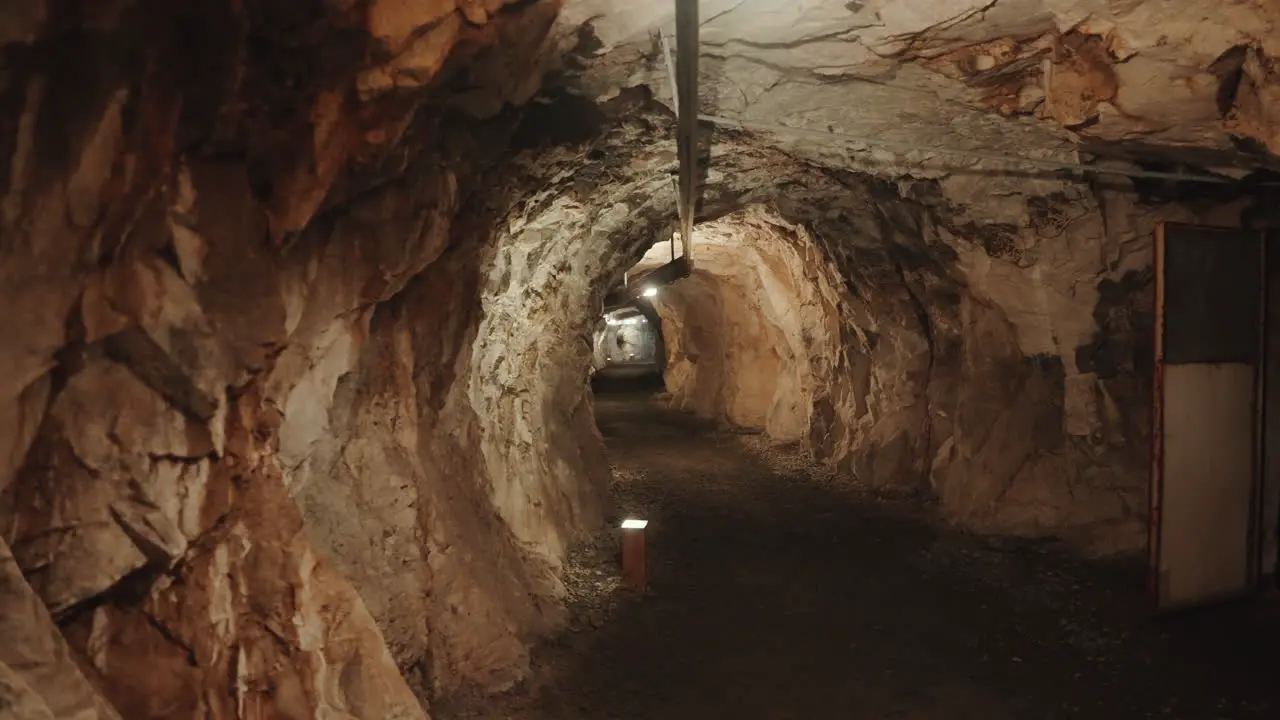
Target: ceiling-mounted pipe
x,y
687,116
667,60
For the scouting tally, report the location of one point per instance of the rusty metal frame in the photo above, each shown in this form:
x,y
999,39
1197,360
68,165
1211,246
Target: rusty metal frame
x,y
1257,519
1155,580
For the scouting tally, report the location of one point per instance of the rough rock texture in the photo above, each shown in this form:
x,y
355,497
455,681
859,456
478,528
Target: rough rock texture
x,y
994,355
39,676
293,408
1020,76
995,320
755,332
251,622
212,266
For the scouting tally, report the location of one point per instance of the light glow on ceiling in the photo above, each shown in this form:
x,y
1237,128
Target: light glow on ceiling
x,y
636,320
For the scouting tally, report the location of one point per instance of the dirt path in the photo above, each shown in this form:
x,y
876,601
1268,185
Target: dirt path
x,y
779,594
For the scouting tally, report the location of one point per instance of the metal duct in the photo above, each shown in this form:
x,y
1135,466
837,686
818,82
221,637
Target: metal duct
x,y
687,116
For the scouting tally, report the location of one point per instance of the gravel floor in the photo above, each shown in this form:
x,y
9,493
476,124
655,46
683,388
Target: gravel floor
x,y
778,592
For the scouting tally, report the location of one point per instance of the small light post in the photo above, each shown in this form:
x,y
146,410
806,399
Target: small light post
x,y
633,562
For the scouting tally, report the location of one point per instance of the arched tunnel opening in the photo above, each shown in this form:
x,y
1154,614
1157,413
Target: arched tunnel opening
x,y
342,336
628,344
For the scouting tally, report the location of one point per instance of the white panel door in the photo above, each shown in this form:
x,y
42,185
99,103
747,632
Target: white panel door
x,y
1208,483
1206,422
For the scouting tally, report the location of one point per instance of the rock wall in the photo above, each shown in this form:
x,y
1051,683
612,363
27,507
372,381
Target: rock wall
x,y
259,457
1024,77
400,494
753,335
39,675
993,355
293,411
994,320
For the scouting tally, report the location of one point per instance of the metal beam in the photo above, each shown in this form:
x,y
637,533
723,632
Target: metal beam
x,y
675,185
687,116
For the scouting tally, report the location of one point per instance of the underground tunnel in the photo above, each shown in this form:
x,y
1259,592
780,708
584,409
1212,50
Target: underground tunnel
x,y
935,341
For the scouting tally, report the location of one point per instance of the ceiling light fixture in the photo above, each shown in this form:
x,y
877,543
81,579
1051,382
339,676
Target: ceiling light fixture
x,y
650,291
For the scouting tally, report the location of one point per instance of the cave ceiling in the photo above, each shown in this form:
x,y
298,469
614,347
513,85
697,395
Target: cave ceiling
x,y
1160,83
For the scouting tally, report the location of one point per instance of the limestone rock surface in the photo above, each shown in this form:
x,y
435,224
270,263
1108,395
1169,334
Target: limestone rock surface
x,y
39,675
1023,77
294,414
925,339
199,242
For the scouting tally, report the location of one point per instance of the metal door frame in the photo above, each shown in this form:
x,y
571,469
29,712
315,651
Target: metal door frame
x,y
1155,522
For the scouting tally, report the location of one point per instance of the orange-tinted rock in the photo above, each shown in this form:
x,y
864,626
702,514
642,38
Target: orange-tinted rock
x,y
195,242
39,676
293,413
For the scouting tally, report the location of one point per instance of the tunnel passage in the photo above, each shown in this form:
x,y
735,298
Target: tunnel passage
x,y
922,353
629,340
754,333
294,412
425,416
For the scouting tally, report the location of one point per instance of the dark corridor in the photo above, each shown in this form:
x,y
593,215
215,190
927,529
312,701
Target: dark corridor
x,y
778,592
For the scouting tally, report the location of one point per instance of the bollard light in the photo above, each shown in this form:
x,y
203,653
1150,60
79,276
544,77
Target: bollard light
x,y
633,562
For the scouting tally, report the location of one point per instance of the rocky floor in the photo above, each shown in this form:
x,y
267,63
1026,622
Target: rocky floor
x,y
779,593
